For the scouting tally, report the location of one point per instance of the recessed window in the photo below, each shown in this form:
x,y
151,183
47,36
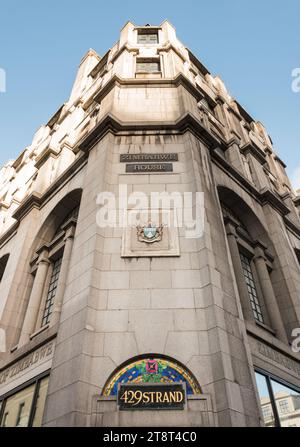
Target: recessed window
x,y
280,403
284,406
147,37
20,414
25,408
52,291
17,408
252,291
148,66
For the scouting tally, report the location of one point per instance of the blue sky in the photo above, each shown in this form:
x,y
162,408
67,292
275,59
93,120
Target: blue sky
x,y
252,44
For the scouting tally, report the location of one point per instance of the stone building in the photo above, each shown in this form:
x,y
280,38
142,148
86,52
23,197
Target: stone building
x,y
87,309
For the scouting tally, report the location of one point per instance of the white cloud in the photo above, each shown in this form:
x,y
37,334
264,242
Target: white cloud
x,y
295,179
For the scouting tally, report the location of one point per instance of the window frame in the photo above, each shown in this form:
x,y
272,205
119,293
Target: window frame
x,y
56,250
256,307
246,248
269,377
35,381
147,32
146,60
46,300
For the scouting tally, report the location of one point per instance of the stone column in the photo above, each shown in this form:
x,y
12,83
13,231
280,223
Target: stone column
x,y
36,295
268,292
62,280
238,269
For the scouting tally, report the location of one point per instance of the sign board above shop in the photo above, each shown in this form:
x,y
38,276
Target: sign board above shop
x,y
151,396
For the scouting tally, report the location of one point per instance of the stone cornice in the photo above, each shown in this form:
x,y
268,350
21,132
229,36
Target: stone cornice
x,y
36,200
101,64
187,122
280,161
33,201
263,197
297,201
268,196
197,63
180,79
183,124
292,226
136,49
43,157
253,149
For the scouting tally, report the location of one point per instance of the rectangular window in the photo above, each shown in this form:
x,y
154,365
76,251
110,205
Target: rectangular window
x,y
283,406
147,66
265,400
51,292
40,402
17,408
252,291
26,407
20,414
280,404
147,37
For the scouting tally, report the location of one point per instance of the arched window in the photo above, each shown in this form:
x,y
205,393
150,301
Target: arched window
x,y
50,266
56,261
252,257
246,257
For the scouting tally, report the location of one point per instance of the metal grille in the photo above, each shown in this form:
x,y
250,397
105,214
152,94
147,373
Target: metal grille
x,y
51,292
151,38
147,66
252,291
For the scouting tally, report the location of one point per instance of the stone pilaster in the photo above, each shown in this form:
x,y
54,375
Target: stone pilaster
x,y
63,276
268,292
239,274
35,299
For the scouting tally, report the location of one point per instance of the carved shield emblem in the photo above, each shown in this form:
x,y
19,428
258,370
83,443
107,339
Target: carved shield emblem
x,y
150,233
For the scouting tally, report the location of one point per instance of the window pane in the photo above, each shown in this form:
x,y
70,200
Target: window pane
x,y
249,278
265,400
51,292
17,408
40,405
288,405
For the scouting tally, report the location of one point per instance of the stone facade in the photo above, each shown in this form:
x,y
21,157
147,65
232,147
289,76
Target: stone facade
x,y
116,299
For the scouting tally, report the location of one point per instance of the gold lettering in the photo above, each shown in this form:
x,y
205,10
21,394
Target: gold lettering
x,y
146,398
179,396
152,393
166,398
172,396
158,396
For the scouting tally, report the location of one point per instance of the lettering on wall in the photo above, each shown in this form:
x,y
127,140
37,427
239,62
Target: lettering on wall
x,y
151,397
279,358
137,163
33,359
